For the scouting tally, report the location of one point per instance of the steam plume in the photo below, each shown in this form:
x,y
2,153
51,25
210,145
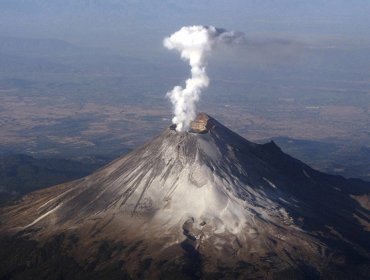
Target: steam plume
x,y
194,43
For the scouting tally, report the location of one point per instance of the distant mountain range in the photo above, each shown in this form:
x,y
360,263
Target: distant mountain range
x,y
48,55
37,46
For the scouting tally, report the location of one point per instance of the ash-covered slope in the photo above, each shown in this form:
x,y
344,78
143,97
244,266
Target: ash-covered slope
x,y
198,204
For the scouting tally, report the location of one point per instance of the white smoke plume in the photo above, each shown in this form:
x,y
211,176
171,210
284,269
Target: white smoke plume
x,y
194,43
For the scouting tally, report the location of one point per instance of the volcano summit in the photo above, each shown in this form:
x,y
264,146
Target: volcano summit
x,y
202,204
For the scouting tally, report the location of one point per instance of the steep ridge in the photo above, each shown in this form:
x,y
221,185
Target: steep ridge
x,y
203,203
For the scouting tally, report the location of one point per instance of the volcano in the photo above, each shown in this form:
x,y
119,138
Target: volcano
x,y
201,204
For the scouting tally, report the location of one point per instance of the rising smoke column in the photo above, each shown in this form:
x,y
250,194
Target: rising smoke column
x,y
194,43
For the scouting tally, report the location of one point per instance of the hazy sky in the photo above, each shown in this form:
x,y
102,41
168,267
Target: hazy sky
x,y
312,53
136,27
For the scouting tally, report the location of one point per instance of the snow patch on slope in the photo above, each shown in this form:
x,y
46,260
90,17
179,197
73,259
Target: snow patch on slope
x,y
44,215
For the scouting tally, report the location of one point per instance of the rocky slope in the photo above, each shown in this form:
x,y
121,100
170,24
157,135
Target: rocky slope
x,y
200,204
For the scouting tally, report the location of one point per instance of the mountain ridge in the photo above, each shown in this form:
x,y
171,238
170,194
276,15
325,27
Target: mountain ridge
x,y
204,202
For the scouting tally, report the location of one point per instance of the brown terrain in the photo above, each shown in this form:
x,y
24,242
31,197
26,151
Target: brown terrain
x,y
24,120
